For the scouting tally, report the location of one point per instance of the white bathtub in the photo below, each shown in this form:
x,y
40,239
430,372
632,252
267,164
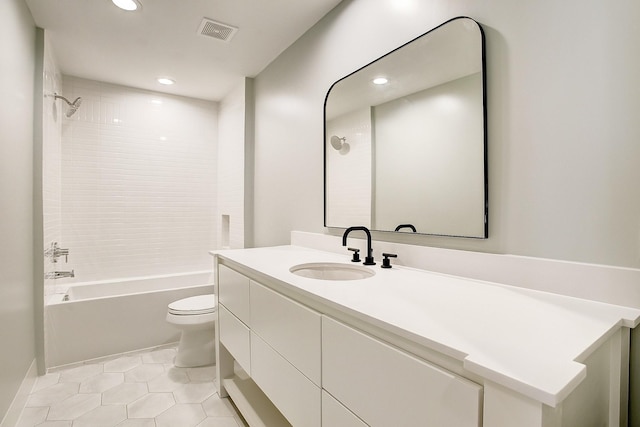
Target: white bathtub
x,y
111,317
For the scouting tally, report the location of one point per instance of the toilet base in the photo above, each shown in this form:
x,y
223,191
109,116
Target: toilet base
x,y
196,348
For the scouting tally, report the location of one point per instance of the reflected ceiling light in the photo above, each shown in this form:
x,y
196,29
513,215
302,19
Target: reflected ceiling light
x,y
380,81
129,5
165,81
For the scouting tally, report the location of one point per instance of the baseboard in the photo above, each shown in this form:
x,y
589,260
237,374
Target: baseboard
x,y
20,399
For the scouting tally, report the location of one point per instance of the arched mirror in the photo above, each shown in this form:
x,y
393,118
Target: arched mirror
x,y
405,138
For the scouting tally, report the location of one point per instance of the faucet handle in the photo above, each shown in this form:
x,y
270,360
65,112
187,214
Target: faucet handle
x,y
386,262
356,254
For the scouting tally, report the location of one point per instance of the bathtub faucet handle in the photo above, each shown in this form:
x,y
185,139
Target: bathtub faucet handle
x,y
55,252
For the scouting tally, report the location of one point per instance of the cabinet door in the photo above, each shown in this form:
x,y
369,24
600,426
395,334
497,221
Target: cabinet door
x,y
293,330
334,414
388,387
291,392
235,336
233,292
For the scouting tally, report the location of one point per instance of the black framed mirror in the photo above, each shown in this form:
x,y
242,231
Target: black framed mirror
x,y
405,139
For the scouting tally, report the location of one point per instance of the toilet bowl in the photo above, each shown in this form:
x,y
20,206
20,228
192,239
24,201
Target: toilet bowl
x,y
195,316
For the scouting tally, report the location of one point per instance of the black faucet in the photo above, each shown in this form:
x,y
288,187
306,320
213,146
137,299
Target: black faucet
x,y
368,260
401,226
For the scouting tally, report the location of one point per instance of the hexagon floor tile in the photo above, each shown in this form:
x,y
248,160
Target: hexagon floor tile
x,y
131,390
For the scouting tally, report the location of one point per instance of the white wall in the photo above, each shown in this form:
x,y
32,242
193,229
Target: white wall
x,y
231,151
138,182
17,69
435,139
563,102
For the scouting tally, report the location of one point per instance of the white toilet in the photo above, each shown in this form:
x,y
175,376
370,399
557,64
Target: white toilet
x,y
195,316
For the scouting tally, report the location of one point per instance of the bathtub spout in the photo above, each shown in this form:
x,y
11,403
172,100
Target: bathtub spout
x,y
59,274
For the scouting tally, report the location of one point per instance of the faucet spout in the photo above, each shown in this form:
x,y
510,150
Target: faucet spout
x,y
368,260
410,226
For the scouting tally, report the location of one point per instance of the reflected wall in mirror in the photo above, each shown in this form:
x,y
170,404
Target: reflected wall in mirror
x,y
411,148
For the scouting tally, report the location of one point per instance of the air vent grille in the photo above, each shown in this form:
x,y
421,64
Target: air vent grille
x,y
216,30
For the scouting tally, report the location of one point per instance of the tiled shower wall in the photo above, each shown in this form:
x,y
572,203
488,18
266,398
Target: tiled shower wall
x,y
51,159
138,182
348,188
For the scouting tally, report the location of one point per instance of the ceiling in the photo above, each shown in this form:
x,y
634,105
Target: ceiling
x,y
95,40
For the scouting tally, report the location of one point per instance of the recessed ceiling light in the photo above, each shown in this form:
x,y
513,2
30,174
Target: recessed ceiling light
x,y
129,5
380,81
165,81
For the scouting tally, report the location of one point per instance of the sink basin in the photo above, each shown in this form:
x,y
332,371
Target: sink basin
x,y
332,271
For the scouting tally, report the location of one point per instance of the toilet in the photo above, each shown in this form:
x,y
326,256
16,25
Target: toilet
x,y
195,316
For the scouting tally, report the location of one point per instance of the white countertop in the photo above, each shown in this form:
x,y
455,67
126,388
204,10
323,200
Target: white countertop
x,y
528,341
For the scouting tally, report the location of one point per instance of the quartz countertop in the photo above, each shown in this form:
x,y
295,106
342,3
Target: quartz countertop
x,y
529,341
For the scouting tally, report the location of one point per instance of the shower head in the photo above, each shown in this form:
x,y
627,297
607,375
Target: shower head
x,y
340,144
73,106
337,142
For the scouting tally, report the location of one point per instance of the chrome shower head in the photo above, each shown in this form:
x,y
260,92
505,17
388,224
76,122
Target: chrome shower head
x,y
337,142
340,144
73,106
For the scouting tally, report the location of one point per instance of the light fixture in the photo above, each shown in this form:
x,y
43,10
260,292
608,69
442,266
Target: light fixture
x,y
380,81
129,5
165,81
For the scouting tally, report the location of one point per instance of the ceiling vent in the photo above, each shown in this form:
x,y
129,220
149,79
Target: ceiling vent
x,y
216,30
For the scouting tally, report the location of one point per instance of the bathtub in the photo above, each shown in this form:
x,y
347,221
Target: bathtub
x,y
97,319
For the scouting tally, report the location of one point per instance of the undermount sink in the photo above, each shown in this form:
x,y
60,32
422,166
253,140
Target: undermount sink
x,y
332,271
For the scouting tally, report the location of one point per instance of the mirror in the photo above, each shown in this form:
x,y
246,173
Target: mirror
x,y
405,138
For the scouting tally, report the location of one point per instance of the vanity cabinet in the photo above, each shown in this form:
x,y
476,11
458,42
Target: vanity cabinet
x,y
297,398
236,337
323,354
285,354
233,292
385,386
292,329
233,315
336,414
276,342
317,371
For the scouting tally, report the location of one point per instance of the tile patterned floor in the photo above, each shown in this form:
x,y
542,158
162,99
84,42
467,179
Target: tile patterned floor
x,y
133,390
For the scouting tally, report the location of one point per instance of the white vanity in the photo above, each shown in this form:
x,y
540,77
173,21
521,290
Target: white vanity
x,y
407,347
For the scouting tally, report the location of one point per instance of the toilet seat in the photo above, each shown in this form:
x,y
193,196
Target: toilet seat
x,y
200,304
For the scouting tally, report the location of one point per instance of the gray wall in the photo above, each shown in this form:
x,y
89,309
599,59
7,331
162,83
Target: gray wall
x,y
564,135
17,67
564,98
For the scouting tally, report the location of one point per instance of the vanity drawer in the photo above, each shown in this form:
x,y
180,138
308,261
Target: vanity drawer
x,y
385,386
335,414
292,329
233,292
235,336
295,396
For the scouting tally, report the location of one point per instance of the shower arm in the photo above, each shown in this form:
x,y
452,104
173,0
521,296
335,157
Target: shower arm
x,y
71,104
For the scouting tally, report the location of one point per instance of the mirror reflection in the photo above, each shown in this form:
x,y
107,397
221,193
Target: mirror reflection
x,y
405,139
